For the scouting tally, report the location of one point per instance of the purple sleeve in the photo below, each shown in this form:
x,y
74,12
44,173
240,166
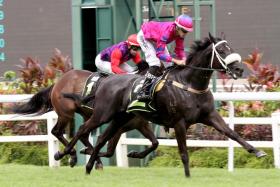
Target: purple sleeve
x,y
160,48
179,48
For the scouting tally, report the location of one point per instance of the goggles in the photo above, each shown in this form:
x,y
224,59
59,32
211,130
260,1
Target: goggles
x,y
135,48
184,31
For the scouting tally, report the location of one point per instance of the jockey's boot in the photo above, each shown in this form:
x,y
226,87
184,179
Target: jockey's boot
x,y
144,92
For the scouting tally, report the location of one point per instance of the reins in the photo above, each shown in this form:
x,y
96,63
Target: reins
x,y
205,69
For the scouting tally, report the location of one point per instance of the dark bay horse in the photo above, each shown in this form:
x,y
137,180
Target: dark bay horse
x,y
184,99
52,98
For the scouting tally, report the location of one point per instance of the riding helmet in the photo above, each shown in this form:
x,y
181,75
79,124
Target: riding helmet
x,y
185,22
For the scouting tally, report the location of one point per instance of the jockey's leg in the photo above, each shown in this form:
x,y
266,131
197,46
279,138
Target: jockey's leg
x,y
154,62
102,65
144,92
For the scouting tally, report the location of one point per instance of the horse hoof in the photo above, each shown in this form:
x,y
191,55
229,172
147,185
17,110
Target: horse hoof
x,y
88,169
133,154
99,167
57,156
260,154
72,162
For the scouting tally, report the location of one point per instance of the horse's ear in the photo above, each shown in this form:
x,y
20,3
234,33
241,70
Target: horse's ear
x,y
223,35
212,39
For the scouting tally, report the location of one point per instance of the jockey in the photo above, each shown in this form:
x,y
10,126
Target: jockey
x,y
153,39
112,59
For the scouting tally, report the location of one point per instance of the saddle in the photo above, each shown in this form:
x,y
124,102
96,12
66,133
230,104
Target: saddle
x,y
147,106
90,88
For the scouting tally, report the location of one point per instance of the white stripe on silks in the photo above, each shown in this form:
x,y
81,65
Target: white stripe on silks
x,y
131,43
179,25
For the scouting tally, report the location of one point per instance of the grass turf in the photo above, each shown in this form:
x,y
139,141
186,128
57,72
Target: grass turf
x,y
28,176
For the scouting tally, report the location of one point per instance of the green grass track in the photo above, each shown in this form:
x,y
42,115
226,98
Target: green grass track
x,y
37,176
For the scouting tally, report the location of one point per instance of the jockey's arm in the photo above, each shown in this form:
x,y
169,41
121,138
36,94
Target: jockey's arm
x,y
116,61
179,49
137,58
179,52
160,50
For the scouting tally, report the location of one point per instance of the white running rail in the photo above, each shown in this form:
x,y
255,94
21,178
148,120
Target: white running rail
x,y
50,117
121,150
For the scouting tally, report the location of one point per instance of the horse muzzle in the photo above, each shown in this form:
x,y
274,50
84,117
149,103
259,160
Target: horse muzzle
x,y
233,62
235,71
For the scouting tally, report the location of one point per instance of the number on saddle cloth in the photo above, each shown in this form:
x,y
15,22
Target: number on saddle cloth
x,y
148,106
90,88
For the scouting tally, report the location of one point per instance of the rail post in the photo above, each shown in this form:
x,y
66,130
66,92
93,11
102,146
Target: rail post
x,y
230,141
121,152
276,138
53,144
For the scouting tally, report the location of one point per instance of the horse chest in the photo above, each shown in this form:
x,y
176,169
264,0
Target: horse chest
x,y
193,107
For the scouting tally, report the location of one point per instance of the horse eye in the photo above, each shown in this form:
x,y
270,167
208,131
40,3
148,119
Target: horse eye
x,y
221,50
224,49
228,48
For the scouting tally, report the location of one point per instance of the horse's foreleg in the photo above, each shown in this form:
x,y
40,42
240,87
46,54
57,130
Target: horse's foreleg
x,y
88,147
83,131
110,148
118,122
89,150
180,132
216,121
147,131
112,144
101,141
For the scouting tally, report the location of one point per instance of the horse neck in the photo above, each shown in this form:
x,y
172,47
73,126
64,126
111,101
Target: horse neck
x,y
196,78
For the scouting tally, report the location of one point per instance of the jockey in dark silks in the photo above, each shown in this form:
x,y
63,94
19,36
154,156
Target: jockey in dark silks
x,y
153,39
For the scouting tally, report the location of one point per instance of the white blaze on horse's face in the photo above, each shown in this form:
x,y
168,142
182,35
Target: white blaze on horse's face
x,y
232,57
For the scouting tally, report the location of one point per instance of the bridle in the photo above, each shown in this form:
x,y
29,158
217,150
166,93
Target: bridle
x,y
233,57
223,61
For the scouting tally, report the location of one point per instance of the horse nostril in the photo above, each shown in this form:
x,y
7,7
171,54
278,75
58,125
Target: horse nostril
x,y
239,70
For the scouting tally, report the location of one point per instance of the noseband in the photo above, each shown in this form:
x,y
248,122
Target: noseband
x,y
223,61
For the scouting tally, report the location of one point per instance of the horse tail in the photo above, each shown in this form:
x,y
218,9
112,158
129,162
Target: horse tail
x,y
39,104
75,97
81,103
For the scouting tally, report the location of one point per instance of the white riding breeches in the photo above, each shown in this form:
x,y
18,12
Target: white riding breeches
x,y
149,50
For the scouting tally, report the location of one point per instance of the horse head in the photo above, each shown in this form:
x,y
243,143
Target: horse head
x,y
223,57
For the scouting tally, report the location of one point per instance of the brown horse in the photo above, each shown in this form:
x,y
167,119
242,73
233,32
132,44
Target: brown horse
x,y
183,100
52,98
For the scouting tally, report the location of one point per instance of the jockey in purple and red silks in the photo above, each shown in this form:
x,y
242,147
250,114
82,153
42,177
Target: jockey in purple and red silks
x,y
153,39
112,59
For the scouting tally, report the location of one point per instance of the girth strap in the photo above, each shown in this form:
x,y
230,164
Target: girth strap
x,y
186,88
179,85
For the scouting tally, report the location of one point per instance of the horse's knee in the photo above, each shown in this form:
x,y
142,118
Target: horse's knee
x,y
55,132
155,144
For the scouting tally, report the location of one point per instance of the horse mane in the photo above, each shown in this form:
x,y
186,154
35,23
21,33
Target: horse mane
x,y
196,47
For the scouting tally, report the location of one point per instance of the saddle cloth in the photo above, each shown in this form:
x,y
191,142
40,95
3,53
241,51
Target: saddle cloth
x,y
90,87
147,106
